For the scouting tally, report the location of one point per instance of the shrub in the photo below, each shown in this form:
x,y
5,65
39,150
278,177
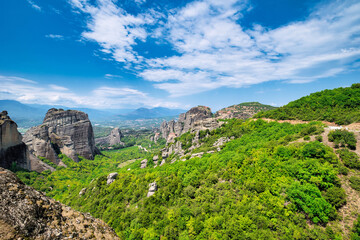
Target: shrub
x,y
350,159
336,196
319,138
307,138
355,183
343,138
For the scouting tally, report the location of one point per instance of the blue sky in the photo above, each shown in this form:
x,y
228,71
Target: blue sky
x,y
177,54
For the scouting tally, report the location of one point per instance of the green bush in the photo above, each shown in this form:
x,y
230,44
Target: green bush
x,y
319,138
336,196
343,138
355,182
356,230
350,159
307,138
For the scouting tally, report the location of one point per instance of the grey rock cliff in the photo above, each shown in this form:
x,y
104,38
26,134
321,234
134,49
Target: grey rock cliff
x,y
113,139
69,132
12,149
28,214
197,118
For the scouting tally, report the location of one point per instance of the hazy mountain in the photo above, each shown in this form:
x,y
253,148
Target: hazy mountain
x,y
146,113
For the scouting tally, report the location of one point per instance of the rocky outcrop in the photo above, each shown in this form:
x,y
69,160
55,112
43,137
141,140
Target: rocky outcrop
x,y
69,132
197,118
242,111
111,178
152,189
143,163
12,149
28,214
113,139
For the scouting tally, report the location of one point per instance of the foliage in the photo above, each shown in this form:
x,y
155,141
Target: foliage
x,y
355,182
356,230
257,187
336,196
341,105
350,159
343,138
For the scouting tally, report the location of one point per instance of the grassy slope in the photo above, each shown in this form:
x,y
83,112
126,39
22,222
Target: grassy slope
x,y
340,105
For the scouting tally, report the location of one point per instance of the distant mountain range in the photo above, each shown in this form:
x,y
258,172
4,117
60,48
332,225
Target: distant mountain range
x,y
28,115
146,113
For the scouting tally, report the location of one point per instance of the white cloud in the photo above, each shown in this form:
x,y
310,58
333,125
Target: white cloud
x,y
113,28
215,51
35,6
58,88
28,91
55,36
110,76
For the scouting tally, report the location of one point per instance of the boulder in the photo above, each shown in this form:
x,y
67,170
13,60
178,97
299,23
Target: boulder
x,y
152,189
143,163
111,178
82,192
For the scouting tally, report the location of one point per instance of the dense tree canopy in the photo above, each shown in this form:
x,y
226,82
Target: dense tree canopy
x,y
341,105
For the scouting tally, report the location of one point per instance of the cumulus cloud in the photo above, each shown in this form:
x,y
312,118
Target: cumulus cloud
x,y
214,50
113,28
29,91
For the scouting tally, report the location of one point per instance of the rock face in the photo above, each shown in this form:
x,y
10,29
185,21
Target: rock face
x,y
28,214
144,163
69,132
113,139
197,118
12,149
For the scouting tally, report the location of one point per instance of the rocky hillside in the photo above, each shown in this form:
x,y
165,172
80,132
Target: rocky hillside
x,y
12,149
243,110
197,118
69,132
28,214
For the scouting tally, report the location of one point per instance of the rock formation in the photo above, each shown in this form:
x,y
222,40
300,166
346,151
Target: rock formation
x,y
69,132
12,149
152,189
28,214
197,118
113,139
242,111
143,163
111,178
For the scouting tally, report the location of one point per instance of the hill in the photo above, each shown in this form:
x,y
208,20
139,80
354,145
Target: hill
x,y
340,105
243,110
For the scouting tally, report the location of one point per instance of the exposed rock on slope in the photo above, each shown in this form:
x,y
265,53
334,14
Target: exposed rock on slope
x,y
27,213
242,111
197,118
12,149
113,139
69,132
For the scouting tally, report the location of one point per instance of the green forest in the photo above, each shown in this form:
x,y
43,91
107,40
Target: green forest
x,y
261,185
340,105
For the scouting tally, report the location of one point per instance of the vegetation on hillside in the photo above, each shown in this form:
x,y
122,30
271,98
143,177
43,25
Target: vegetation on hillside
x,y
340,105
259,186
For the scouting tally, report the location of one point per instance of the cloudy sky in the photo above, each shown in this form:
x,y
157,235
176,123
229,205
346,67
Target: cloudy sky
x,y
175,53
